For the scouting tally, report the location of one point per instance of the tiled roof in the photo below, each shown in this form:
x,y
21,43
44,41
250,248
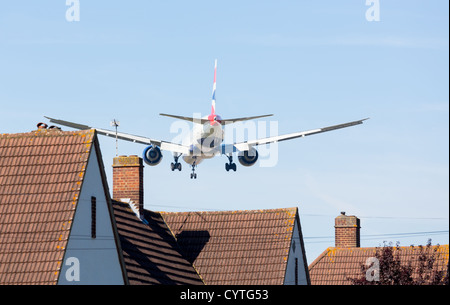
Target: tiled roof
x,y
336,265
150,252
41,173
236,247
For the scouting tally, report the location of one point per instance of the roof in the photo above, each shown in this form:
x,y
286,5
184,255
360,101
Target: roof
x,y
236,247
150,252
41,173
336,265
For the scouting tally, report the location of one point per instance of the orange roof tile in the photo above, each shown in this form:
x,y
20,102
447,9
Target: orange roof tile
x,y
235,247
41,173
150,252
336,265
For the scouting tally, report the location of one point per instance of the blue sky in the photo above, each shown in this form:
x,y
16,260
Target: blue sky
x,y
310,63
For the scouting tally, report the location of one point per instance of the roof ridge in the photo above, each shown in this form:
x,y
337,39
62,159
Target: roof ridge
x,y
277,210
46,132
379,247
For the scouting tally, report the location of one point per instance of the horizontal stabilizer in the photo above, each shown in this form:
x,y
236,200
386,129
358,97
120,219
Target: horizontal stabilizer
x,y
224,121
231,121
185,118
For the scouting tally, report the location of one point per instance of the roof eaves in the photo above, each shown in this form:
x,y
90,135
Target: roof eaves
x,y
89,136
110,208
302,243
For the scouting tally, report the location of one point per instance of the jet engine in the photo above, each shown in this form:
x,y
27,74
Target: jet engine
x,y
249,157
152,155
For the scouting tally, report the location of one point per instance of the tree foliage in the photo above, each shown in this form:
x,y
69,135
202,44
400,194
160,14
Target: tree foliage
x,y
393,269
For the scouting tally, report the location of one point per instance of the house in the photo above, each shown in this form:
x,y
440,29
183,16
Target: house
x,y
262,247
59,224
56,218
338,264
257,247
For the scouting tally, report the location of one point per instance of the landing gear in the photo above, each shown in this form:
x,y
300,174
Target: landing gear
x,y
230,165
193,174
193,166
176,165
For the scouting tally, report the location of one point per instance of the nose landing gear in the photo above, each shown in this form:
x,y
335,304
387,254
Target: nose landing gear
x,y
193,174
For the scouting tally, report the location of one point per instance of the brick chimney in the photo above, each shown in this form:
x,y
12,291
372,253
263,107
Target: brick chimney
x,y
128,181
347,231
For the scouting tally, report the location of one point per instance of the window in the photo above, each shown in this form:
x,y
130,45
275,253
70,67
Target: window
x,y
296,271
93,217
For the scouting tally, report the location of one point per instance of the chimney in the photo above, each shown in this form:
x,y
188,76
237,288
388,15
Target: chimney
x,y
128,181
347,231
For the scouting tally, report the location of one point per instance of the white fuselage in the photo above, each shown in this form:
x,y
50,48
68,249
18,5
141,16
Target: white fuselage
x,y
205,141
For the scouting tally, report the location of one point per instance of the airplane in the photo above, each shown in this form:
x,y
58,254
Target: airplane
x,y
206,139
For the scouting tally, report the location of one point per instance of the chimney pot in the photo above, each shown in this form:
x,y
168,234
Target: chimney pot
x,y
347,231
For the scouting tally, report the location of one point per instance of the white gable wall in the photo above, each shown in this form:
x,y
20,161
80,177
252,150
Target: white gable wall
x,y
91,260
296,251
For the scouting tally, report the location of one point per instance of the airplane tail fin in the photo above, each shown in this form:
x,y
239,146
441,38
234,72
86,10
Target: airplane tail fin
x,y
212,116
213,102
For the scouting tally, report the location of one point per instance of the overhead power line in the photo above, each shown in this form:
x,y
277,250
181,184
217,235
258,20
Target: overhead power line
x,y
389,234
379,217
330,239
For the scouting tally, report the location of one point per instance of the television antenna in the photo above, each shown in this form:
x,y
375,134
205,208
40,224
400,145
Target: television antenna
x,y
116,124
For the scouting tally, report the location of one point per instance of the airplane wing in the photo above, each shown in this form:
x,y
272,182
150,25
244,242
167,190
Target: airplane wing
x,y
247,145
168,146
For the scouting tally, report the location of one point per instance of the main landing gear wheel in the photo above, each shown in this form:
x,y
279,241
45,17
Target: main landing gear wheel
x,y
230,165
176,165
